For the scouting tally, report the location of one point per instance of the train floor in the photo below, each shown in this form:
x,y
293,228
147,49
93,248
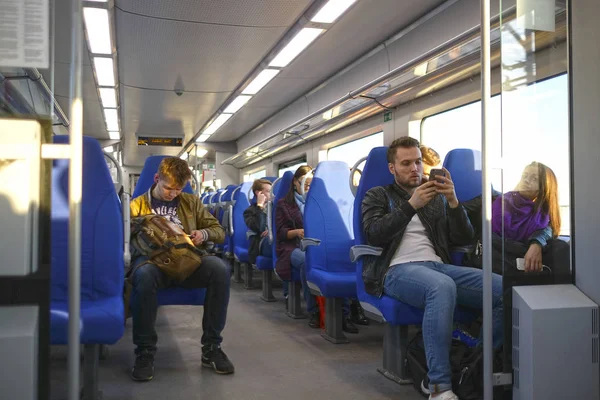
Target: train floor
x,y
275,358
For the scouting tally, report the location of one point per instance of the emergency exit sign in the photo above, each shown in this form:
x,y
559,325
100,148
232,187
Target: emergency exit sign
x,y
387,116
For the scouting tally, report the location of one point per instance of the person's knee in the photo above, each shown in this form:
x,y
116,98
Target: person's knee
x,y
442,290
145,278
219,271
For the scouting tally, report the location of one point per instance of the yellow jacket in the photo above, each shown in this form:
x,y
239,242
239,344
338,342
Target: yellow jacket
x,y
190,211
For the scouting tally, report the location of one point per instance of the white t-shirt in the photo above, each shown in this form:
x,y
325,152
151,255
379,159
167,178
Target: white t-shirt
x,y
415,244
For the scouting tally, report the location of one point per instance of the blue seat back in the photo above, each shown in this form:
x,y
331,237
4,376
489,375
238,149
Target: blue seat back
x,y
102,264
375,173
279,191
205,198
328,217
465,167
239,225
147,176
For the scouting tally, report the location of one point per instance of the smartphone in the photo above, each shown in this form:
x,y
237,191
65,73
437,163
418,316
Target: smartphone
x,y
436,172
521,264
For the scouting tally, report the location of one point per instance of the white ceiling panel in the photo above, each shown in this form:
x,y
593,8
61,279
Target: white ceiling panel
x,y
276,95
163,54
269,13
239,123
155,112
363,27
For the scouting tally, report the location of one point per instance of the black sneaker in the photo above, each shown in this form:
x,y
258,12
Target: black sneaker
x,y
357,314
143,370
348,326
215,358
315,320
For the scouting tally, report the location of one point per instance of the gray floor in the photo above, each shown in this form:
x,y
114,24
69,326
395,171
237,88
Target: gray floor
x,y
275,358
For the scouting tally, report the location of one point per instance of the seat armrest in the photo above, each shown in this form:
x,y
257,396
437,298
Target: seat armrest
x,y
462,249
307,242
356,252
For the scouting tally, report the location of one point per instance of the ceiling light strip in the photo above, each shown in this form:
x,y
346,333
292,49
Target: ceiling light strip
x,y
99,30
327,14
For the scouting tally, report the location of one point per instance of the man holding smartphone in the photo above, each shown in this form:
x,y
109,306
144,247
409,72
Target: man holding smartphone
x,y
415,223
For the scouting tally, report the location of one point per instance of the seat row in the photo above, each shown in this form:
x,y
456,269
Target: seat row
x,y
334,244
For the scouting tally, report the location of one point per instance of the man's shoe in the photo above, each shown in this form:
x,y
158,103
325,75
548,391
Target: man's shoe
x,y
215,358
357,314
143,370
315,320
348,326
448,395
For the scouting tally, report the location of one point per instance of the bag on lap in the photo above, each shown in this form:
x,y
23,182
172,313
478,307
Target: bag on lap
x,y
165,245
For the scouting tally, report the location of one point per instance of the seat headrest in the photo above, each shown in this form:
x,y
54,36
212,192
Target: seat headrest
x,y
465,167
283,185
146,179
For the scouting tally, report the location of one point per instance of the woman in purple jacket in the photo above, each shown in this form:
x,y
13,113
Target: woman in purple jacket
x,y
526,224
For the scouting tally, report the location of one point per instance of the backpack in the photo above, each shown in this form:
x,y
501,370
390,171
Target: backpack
x,y
165,245
466,364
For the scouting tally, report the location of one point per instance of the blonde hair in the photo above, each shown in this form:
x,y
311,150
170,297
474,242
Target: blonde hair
x,y
429,156
175,170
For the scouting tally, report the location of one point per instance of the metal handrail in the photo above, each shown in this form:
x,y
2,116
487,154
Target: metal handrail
x,y
354,189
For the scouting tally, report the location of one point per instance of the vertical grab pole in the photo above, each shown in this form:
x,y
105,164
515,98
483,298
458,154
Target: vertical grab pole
x,y
486,231
75,189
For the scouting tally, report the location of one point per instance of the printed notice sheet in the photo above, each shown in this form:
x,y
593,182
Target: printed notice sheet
x,y
24,33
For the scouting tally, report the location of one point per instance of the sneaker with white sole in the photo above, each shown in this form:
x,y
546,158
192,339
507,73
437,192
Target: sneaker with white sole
x,y
447,395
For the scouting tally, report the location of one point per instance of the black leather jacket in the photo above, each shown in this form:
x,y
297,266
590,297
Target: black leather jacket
x,y
256,221
385,215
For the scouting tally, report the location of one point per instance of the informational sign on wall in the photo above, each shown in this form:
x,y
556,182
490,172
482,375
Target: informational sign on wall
x,y
24,33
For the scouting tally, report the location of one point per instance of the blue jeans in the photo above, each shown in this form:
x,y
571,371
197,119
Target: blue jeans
x,y
438,288
299,263
264,248
213,275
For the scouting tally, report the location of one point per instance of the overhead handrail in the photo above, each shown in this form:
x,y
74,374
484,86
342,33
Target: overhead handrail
x,y
354,189
119,170
125,199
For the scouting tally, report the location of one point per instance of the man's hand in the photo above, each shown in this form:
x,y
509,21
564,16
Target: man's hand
x,y
533,258
445,186
197,237
264,234
423,195
261,199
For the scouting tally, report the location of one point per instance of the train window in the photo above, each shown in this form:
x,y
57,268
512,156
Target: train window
x,y
524,137
353,151
291,166
256,175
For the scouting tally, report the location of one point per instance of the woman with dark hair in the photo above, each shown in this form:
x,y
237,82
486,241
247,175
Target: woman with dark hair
x,y
526,224
289,224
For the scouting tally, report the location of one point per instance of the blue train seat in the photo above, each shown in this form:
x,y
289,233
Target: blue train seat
x,y
397,315
465,168
102,265
328,218
146,179
227,219
174,295
240,239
